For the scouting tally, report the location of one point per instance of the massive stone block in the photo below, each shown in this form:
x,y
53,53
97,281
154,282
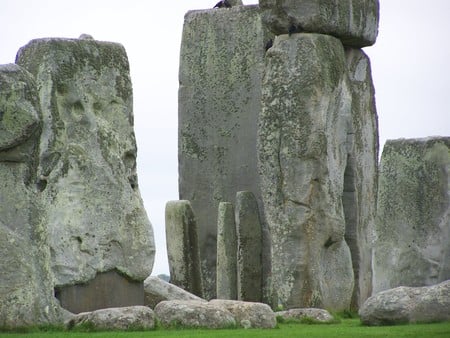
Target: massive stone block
x,y
221,67
87,161
183,247
26,290
413,217
361,174
355,22
302,150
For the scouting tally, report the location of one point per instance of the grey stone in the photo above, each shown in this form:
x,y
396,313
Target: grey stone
x,y
302,150
193,314
121,318
403,305
355,22
412,246
361,174
87,161
26,290
158,290
221,67
319,315
182,247
249,253
227,247
249,314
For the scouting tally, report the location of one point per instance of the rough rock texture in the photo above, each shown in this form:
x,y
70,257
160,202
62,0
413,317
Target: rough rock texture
x,y
26,290
355,22
221,66
249,248
226,284
319,315
361,173
249,314
123,318
158,290
87,161
182,247
193,314
408,305
302,150
413,217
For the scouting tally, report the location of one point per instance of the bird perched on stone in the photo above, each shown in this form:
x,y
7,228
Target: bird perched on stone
x,y
223,4
295,29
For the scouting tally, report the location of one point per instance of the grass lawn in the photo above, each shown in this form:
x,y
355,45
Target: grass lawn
x,y
347,328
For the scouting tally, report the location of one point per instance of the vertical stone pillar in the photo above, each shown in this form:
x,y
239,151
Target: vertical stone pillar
x,y
182,247
226,252
249,254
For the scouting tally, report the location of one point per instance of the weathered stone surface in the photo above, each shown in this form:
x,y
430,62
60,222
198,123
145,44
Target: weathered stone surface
x,y
87,165
158,290
227,247
249,314
319,315
408,305
302,150
122,318
193,314
26,290
249,249
221,67
413,217
182,247
355,22
361,174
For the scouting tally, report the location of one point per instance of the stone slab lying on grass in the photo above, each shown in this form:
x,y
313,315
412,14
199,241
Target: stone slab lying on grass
x,y
403,305
249,314
157,290
123,318
319,315
193,314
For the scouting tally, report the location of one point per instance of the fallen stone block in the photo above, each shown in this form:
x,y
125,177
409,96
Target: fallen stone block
x,y
319,315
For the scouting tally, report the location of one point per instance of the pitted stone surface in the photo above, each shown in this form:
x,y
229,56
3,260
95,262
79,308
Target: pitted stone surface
x,y
320,315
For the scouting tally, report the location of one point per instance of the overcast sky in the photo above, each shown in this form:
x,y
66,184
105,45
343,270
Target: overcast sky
x,y
410,64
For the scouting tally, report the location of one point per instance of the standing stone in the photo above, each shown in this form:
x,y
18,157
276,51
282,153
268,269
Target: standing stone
x,y
413,217
355,22
87,162
249,254
26,290
182,247
302,149
221,67
226,252
361,174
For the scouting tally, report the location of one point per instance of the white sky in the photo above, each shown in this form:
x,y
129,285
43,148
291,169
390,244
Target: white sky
x,y
410,63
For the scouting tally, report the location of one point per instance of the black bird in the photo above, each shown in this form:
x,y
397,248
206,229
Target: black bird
x,y
223,4
295,29
269,44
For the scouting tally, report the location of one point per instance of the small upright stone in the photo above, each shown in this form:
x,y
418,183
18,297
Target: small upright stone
x,y
249,252
182,247
226,252
355,22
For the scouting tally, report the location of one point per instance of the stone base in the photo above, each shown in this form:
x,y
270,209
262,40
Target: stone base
x,y
106,290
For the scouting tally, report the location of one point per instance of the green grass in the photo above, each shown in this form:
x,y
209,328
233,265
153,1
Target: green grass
x,y
348,328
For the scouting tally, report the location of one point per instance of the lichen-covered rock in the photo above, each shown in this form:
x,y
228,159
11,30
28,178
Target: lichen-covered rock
x,y
403,305
183,247
302,150
361,173
412,245
87,161
355,22
122,318
221,67
158,290
249,314
26,290
319,315
193,314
